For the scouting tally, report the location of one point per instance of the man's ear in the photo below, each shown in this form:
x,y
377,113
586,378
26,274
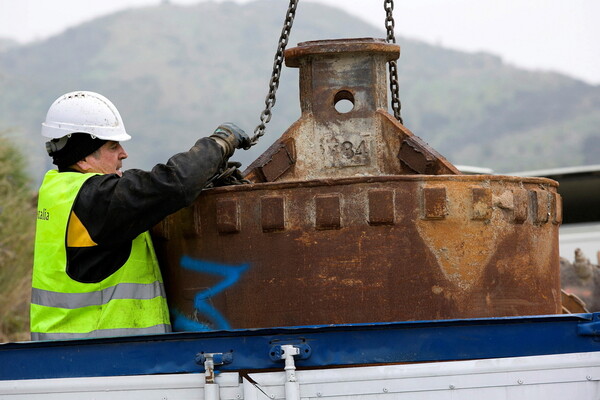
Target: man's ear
x,y
82,165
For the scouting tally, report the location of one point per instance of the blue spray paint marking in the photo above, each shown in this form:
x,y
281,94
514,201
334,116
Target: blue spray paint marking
x,y
231,274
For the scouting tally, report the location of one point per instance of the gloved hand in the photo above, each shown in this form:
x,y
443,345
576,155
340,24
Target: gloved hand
x,y
231,137
228,175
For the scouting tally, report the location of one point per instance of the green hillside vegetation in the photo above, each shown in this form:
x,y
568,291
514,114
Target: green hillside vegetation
x,y
17,225
176,72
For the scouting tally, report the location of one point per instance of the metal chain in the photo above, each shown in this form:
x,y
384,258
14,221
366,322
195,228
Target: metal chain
x,y
265,116
388,5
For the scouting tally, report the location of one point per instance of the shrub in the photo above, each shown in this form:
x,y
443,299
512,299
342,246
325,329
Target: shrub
x,y
17,230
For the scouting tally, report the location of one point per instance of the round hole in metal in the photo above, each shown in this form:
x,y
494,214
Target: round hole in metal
x,y
343,101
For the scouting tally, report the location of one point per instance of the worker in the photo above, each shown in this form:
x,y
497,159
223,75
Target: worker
x,y
95,272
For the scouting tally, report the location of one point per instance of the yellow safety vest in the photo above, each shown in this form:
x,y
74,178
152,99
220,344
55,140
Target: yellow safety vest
x,y
131,301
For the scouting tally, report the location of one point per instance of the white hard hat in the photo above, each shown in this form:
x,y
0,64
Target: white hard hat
x,y
86,112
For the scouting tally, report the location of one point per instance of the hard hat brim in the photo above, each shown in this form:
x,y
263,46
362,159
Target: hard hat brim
x,y
56,131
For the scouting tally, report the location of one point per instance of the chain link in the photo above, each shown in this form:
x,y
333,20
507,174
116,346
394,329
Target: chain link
x,y
388,5
265,116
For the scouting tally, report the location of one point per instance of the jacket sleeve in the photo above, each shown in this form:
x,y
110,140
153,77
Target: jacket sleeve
x,y
117,209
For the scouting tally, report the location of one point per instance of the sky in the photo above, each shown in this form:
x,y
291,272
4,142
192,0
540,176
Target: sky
x,y
550,35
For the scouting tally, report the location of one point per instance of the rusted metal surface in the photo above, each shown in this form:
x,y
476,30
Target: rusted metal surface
x,y
355,219
276,161
571,304
366,249
365,140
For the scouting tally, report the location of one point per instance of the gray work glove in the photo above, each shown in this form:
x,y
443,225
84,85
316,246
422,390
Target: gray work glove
x,y
230,137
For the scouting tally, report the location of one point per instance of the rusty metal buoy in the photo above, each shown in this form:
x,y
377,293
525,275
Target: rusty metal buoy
x,y
355,219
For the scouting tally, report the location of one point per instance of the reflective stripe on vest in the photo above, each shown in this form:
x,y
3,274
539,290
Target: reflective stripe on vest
x,y
102,297
152,330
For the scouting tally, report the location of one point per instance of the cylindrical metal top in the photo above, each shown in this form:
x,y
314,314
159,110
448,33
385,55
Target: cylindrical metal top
x,y
338,46
345,129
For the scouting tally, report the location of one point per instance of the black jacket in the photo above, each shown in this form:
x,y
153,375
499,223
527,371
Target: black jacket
x,y
115,210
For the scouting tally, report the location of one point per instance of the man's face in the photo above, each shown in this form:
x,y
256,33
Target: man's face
x,y
108,159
